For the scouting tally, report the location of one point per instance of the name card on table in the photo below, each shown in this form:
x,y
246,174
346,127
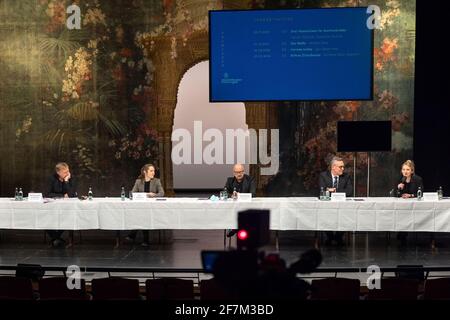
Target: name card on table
x,y
139,196
430,196
244,197
35,197
338,196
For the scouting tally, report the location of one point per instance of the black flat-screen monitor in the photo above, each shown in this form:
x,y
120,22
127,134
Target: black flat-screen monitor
x,y
291,55
364,136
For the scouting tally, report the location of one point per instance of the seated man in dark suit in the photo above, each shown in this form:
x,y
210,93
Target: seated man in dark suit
x,y
61,185
239,183
335,180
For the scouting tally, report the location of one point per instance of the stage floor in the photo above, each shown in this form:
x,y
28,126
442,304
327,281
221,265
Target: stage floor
x,y
97,250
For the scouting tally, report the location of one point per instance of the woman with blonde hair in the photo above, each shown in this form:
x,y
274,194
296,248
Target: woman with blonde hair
x,y
409,183
146,182
407,187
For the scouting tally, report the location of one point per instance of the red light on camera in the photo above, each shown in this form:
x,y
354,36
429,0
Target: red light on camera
x,y
242,235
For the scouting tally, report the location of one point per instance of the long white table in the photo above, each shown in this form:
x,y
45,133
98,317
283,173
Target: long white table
x,y
371,214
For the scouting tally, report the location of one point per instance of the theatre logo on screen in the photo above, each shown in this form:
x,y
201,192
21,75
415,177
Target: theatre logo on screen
x,y
213,146
227,80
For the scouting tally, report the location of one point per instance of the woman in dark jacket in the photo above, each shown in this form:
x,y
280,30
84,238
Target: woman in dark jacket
x,y
410,183
407,187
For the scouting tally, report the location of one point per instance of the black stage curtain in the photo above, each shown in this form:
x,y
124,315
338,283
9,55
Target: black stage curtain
x,y
432,88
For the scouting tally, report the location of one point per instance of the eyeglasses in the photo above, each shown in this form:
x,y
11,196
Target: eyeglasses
x,y
238,172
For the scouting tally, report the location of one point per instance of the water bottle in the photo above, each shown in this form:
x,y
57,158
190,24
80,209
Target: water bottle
x,y
20,195
327,195
440,193
16,195
122,194
130,195
224,194
234,195
90,194
322,194
419,194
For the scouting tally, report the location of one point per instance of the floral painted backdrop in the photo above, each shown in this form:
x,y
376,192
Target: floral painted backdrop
x,y
86,96
309,132
81,96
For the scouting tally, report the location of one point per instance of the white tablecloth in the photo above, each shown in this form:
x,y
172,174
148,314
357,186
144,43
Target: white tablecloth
x,y
371,214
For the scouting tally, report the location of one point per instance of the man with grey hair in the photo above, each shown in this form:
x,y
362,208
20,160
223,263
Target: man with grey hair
x,y
335,180
61,185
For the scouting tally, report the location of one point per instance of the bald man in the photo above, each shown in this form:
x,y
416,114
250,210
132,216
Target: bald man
x,y
240,182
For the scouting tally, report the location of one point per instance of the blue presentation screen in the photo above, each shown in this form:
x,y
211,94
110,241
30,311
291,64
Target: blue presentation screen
x,y
300,54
